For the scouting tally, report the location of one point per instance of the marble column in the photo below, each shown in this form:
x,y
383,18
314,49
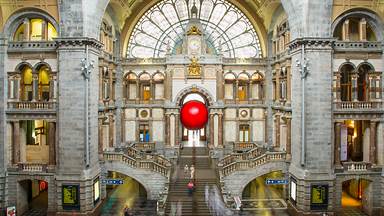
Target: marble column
x,y
111,130
354,87
372,142
211,131
220,137
288,147
100,127
35,87
16,142
167,130
337,145
26,29
277,131
338,87
177,132
52,142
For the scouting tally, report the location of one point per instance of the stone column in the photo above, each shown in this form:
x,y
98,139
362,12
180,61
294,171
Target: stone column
x,y
220,137
44,30
288,148
111,130
220,85
26,29
337,145
363,30
345,30
277,131
372,143
52,142
16,142
168,86
236,92
17,88
151,90
167,130
338,87
35,87
354,87
100,127
177,132
211,131
372,91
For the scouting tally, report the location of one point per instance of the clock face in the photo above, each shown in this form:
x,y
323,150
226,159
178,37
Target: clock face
x,y
194,45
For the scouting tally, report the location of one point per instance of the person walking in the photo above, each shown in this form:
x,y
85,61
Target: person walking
x,y
190,187
192,169
179,208
186,168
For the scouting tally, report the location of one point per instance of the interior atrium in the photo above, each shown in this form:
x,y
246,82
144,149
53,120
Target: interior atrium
x,y
191,107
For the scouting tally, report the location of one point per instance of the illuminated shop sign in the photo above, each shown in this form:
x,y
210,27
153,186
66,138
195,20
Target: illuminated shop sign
x,y
70,196
319,197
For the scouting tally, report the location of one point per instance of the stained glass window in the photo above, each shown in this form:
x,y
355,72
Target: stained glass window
x,y
224,25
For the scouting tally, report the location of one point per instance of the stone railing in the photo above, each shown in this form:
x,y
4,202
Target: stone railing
x,y
243,61
32,45
243,146
32,105
144,146
137,159
226,168
357,105
249,155
32,167
356,166
357,46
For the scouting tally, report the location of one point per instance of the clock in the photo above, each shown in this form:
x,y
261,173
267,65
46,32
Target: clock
x,y
194,45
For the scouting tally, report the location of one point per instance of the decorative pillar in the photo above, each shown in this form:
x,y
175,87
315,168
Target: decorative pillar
x,y
338,87
111,130
16,142
337,145
26,29
151,90
354,87
363,30
288,147
372,90
236,92
35,87
277,131
17,88
220,85
372,142
167,130
52,142
138,91
44,30
100,128
345,30
220,137
211,131
177,132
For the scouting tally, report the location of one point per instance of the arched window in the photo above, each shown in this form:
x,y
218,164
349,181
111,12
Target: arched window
x,y
158,80
26,83
130,92
226,28
363,82
243,86
43,83
145,87
357,26
257,86
35,29
229,85
346,82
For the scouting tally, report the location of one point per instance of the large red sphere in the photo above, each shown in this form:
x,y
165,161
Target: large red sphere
x,y
194,115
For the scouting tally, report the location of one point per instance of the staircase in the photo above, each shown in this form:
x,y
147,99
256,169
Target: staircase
x,y
205,174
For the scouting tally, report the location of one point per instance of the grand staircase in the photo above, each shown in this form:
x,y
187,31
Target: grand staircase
x,y
205,174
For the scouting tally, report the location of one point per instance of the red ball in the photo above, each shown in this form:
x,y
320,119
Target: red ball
x,y
194,115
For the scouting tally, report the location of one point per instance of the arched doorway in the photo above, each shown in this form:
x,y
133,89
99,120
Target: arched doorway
x,y
32,197
356,196
131,194
264,197
194,138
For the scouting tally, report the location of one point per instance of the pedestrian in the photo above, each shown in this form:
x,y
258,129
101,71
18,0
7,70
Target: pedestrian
x,y
190,187
192,169
126,211
179,208
186,168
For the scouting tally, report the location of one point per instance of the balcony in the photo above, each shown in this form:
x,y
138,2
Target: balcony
x,y
32,105
243,146
357,105
144,146
32,46
356,166
348,46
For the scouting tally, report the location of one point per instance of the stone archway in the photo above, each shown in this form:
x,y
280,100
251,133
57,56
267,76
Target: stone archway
x,y
194,89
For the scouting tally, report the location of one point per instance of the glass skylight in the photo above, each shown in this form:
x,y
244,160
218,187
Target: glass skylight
x,y
225,27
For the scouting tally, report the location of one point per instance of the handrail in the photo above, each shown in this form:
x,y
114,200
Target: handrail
x,y
226,169
137,159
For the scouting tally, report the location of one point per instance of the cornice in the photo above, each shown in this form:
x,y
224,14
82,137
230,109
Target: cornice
x,y
311,43
78,41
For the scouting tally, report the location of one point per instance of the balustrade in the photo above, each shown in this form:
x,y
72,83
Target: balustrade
x,y
32,105
360,105
356,166
32,167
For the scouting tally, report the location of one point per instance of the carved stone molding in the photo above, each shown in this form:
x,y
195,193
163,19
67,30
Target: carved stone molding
x,y
78,41
311,43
